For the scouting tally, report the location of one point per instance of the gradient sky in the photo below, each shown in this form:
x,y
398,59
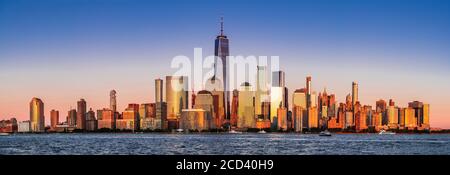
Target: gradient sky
x,y
64,50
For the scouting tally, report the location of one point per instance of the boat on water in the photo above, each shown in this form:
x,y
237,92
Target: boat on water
x,y
262,132
384,132
4,134
179,130
234,132
325,133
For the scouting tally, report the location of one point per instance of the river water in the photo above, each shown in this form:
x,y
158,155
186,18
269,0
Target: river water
x,y
235,144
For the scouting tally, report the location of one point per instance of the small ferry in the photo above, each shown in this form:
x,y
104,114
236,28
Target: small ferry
x,y
384,132
234,132
4,134
325,133
262,132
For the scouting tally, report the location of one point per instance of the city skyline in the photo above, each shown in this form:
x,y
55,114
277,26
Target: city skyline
x,y
55,76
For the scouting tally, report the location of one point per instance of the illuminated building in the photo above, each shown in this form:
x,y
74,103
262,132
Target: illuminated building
x,y
426,117
361,120
54,118
277,93
392,115
401,117
354,93
214,85
113,101
410,119
246,108
297,113
341,116
262,89
147,116
282,114
265,111
106,119
158,90
308,92
422,118
204,100
348,103
313,99
299,98
313,120
24,126
349,120
161,114
234,108
369,114
147,110
337,121
37,118
81,114
8,126
381,108
91,121
193,119
377,121
130,118
72,118
263,120
176,95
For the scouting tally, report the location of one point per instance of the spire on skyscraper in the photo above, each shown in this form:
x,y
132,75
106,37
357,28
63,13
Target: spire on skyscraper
x,y
221,26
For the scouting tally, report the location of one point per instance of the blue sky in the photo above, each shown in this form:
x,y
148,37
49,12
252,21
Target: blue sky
x,y
68,49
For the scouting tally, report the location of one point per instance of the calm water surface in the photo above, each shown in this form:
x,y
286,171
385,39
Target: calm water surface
x,y
153,143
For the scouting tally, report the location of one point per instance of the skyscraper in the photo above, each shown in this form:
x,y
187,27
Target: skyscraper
x,y
37,115
72,118
158,90
308,91
54,118
204,100
221,51
234,108
81,114
354,93
246,108
176,95
91,122
112,101
277,93
262,93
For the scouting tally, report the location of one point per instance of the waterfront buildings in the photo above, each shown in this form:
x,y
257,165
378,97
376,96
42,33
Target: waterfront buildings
x,y
130,118
24,126
91,121
106,119
194,119
221,52
37,118
246,109
8,126
158,90
113,100
277,95
81,114
205,101
72,118
54,118
176,96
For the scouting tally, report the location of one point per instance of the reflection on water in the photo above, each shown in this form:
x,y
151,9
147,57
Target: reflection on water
x,y
155,143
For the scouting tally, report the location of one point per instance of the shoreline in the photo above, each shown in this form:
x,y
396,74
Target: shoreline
x,y
220,133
